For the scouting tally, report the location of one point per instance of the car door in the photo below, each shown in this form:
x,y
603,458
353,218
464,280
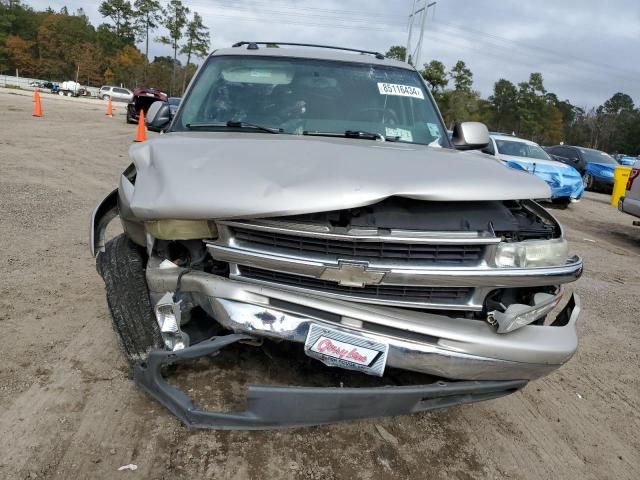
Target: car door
x,y
577,161
119,93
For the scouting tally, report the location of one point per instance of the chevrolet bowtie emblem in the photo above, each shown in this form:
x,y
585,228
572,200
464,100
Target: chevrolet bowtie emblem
x,y
352,275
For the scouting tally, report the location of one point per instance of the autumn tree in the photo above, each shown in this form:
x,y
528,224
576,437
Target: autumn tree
x,y
197,41
175,20
129,65
19,53
61,38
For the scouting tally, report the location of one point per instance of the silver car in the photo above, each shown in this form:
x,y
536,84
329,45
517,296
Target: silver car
x,y
630,203
115,93
312,197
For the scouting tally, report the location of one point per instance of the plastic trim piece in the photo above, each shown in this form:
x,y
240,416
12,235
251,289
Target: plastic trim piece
x,y
272,407
105,211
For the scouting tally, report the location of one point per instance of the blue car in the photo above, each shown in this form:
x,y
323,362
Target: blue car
x,y
627,161
565,181
596,167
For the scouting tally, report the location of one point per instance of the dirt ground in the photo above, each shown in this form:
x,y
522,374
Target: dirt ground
x,y
70,411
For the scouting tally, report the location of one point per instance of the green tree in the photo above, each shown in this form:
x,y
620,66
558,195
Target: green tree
x,y
397,52
462,76
434,73
148,18
618,103
504,106
197,41
175,20
121,14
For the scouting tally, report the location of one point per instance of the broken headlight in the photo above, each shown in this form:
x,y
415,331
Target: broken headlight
x,y
532,253
182,229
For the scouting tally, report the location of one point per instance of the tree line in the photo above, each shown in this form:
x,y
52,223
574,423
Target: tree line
x,y
530,111
63,45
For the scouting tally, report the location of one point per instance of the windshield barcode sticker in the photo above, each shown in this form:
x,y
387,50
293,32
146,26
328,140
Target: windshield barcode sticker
x,y
400,90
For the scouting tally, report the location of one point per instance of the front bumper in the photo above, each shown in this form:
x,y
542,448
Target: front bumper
x,y
453,348
278,407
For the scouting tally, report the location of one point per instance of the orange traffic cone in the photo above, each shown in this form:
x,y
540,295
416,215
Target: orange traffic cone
x,y
109,108
37,107
35,93
142,129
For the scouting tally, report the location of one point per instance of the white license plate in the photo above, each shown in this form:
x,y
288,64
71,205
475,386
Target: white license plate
x,y
335,348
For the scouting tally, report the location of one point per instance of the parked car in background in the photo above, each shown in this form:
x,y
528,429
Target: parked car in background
x,y
630,203
564,180
171,107
115,93
626,160
596,167
174,103
142,99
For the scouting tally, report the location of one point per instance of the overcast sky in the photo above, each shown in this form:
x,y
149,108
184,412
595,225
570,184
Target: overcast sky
x,y
587,50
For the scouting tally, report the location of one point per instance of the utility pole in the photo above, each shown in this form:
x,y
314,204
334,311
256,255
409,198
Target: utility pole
x,y
416,58
407,55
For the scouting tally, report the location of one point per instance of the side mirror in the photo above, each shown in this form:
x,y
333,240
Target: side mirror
x,y
470,136
158,116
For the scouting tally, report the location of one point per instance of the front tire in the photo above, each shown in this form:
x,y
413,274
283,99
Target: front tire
x,y
587,181
122,267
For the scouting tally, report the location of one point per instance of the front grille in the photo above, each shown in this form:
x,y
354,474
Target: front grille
x,y
463,255
417,294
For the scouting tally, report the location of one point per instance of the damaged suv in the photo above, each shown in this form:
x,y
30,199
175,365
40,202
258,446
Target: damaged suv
x,y
313,196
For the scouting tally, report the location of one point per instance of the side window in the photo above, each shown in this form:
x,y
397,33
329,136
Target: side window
x,y
563,152
571,153
120,90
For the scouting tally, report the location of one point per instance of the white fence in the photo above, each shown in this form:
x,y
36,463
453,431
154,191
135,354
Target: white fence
x,y
23,82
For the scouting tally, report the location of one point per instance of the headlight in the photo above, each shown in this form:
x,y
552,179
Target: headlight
x,y
532,253
181,229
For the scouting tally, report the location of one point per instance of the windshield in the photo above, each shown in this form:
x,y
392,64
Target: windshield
x,y
596,156
303,96
521,149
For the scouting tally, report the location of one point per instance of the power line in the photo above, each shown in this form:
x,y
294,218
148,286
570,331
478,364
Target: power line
x,y
381,28
356,18
554,53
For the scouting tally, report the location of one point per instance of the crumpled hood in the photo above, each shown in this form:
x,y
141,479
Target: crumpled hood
x,y
246,175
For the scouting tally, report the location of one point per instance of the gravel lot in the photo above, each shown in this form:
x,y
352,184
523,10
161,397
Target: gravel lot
x,y
71,412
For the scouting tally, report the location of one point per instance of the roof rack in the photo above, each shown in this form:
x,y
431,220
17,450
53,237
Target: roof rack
x,y
254,46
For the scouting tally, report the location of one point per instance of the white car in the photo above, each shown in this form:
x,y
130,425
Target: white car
x,y
630,203
115,93
565,182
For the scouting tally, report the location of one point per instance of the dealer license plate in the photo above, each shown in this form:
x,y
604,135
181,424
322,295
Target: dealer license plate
x,y
351,352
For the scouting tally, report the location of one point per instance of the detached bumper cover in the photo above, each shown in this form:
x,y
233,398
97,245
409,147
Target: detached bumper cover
x,y
278,407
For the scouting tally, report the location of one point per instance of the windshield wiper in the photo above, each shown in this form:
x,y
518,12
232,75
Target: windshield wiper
x,y
355,134
233,124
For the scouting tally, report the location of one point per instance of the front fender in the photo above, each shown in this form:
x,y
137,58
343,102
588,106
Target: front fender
x,y
101,216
